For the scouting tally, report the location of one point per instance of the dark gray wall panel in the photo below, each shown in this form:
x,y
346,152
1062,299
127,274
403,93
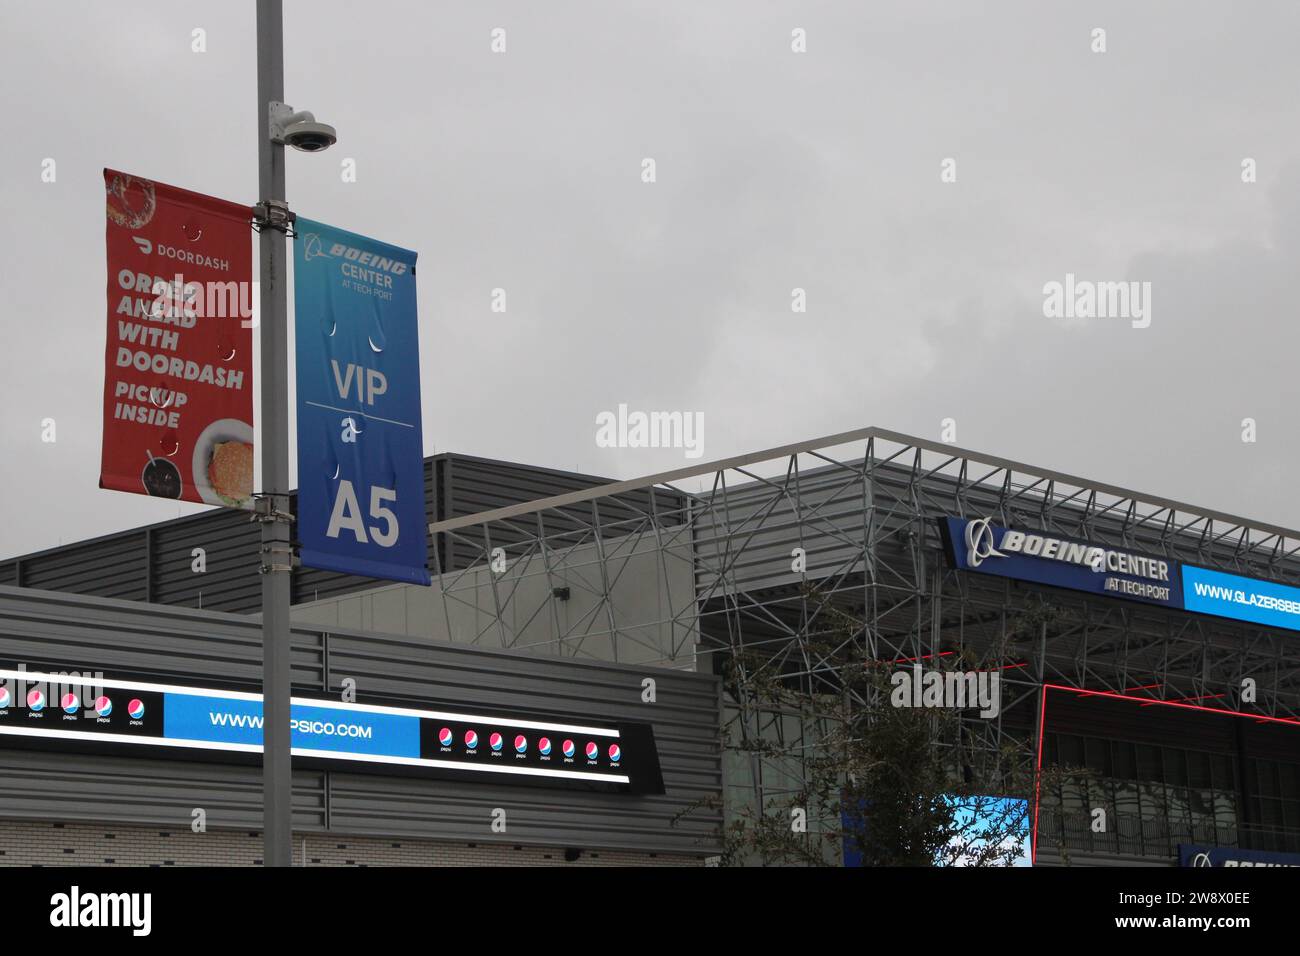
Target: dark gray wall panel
x,y
62,787
748,532
474,485
154,563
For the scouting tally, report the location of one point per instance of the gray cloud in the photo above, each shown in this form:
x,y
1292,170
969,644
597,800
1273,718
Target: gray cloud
x,y
775,170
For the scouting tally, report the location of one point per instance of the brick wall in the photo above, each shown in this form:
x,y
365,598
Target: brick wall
x,y
41,843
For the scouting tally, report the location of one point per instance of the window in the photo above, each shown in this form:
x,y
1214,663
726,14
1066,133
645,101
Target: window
x,y
1124,760
1266,782
1148,763
1175,767
1071,754
1224,771
1156,797
1198,770
1097,753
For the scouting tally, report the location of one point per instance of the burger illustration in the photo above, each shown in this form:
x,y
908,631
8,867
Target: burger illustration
x,y
230,472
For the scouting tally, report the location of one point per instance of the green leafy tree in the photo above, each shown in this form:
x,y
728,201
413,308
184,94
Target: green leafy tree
x,y
894,785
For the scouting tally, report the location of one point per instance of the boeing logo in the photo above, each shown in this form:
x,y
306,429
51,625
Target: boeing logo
x,y
979,542
311,248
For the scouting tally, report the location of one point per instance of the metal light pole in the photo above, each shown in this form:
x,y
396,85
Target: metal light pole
x,y
273,506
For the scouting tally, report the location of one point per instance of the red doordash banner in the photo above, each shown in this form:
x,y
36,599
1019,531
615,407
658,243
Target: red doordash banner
x,y
178,378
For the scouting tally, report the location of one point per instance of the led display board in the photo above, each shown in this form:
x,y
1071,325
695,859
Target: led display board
x,y
1207,591
121,716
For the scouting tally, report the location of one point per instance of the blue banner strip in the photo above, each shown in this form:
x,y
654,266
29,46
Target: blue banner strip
x,y
222,720
1243,599
1041,557
360,438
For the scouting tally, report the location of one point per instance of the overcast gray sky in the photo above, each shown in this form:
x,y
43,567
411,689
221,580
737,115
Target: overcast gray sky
x,y
775,170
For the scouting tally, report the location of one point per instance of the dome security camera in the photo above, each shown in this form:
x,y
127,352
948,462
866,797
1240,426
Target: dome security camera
x,y
310,137
300,129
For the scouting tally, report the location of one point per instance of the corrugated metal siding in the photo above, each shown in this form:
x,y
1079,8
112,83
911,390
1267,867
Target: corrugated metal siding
x,y
154,563
745,532
56,786
475,485
108,567
835,512
230,542
42,629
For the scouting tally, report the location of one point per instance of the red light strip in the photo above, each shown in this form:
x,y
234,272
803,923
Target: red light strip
x,y
924,657
1202,697
1081,692
1038,777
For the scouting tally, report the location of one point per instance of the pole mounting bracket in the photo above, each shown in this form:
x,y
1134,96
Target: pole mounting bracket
x,y
277,556
264,511
274,214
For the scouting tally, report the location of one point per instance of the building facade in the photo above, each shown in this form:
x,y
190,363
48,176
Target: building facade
x,y
1144,645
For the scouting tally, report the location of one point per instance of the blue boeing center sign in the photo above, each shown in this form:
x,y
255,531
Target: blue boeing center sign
x,y
360,443
1216,856
976,544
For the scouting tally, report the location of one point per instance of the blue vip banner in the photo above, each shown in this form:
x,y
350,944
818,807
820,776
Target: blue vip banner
x,y
360,444
1241,598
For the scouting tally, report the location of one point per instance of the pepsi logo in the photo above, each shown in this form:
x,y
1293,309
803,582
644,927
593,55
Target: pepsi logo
x,y
135,708
521,744
494,741
70,703
568,749
5,698
103,706
35,700
471,739
614,752
444,736
592,750
544,746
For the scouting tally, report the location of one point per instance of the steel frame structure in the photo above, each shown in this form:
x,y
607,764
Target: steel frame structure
x,y
862,506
